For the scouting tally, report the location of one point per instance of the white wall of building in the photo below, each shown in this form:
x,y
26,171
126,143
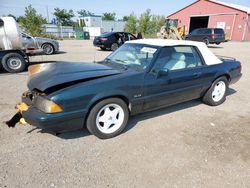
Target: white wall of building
x,y
95,25
58,31
93,31
92,21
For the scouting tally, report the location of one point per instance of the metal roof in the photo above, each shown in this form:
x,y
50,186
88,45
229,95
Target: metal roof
x,y
235,6
231,5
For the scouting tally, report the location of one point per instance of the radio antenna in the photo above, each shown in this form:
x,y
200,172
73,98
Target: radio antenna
x,y
94,55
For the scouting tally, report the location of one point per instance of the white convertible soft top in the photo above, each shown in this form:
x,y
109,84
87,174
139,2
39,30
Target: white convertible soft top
x,y
208,56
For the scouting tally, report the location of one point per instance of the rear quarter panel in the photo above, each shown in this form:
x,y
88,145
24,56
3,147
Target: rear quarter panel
x,y
228,68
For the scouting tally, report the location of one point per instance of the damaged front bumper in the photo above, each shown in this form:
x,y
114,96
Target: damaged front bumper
x,y
57,122
20,107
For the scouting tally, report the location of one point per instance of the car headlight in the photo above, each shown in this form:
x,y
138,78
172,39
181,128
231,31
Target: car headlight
x,y
46,105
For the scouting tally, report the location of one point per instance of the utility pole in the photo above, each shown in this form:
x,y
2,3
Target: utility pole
x,y
47,11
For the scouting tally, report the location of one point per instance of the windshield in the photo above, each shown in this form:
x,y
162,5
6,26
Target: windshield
x,y
138,56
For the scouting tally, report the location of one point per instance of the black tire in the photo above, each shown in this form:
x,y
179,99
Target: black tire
x,y
97,110
114,46
217,43
209,98
103,48
14,62
48,48
206,41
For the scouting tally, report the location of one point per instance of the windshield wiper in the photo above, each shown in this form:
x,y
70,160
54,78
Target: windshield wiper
x,y
124,66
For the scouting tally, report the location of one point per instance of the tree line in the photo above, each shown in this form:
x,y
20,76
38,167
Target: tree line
x,y
146,23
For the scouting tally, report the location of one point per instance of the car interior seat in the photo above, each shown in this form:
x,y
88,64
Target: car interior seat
x,y
177,61
163,58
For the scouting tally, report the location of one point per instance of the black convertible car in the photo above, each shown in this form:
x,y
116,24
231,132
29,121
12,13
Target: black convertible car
x,y
141,75
112,40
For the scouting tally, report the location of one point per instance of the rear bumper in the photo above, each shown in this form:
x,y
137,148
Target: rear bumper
x,y
98,44
218,40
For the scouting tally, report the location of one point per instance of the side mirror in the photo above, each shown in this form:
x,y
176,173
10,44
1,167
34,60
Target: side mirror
x,y
162,72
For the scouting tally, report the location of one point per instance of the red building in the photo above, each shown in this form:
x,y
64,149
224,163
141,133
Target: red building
x,y
234,19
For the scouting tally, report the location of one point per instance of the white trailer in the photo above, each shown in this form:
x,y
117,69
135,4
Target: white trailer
x,y
12,55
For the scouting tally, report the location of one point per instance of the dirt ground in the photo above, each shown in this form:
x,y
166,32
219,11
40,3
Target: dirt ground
x,y
187,145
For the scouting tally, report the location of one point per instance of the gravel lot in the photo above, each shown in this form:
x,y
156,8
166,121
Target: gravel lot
x,y
187,145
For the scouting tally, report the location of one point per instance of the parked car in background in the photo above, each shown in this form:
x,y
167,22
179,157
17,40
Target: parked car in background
x,y
139,76
207,35
112,40
31,44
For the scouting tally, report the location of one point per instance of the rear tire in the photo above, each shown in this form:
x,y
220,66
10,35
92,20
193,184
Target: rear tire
x,y
114,46
14,62
206,41
108,118
216,94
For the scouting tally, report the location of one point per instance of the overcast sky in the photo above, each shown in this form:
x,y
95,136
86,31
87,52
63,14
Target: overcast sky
x,y
120,7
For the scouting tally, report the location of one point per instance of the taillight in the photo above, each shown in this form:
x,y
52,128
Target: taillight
x,y
103,39
212,36
239,68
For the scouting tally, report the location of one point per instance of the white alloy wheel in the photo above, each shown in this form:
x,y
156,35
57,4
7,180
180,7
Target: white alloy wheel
x,y
219,91
110,118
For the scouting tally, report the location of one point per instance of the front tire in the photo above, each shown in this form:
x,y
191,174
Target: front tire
x,y
48,49
14,62
216,94
108,118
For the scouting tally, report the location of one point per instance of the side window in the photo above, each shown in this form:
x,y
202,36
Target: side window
x,y
162,59
194,32
126,36
218,31
197,58
24,35
177,58
201,31
191,56
208,31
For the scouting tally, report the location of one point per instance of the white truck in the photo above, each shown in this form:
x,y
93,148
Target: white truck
x,y
12,53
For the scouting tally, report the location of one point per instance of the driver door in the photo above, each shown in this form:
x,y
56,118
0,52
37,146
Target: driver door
x,y
28,42
164,87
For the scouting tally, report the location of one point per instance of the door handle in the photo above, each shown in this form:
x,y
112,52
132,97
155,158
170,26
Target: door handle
x,y
197,74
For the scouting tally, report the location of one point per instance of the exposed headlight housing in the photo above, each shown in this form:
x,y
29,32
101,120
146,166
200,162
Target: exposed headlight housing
x,y
46,105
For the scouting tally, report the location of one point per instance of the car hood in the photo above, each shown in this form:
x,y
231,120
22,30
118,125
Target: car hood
x,y
64,74
40,39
